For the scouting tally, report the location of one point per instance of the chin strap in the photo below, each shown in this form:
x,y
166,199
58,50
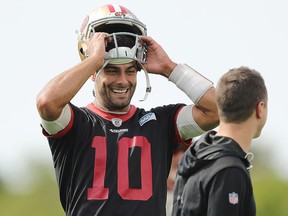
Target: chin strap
x,y
148,86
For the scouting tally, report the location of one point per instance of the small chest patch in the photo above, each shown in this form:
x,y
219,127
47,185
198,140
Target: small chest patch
x,y
146,118
116,122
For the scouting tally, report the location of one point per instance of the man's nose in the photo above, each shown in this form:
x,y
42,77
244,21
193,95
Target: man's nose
x,y
122,77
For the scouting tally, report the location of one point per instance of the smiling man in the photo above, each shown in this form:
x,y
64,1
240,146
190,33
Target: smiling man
x,y
115,86
110,157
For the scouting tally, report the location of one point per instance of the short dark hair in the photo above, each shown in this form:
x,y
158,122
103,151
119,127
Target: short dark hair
x,y
122,41
238,92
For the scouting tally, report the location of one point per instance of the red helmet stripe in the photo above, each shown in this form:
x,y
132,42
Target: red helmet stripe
x,y
123,9
111,8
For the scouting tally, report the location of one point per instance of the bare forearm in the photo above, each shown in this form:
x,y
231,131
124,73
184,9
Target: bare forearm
x,y
60,90
205,111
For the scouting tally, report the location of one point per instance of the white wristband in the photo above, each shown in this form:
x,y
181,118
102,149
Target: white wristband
x,y
190,81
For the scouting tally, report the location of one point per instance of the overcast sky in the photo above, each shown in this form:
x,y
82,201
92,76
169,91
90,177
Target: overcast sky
x,y
38,41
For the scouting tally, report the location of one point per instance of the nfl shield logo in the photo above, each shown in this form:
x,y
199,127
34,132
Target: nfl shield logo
x,y
233,198
116,122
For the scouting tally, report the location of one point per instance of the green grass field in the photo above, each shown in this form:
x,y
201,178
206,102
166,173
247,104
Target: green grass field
x,y
43,200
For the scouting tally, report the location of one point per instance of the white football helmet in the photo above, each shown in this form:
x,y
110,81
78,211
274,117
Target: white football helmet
x,y
117,21
111,19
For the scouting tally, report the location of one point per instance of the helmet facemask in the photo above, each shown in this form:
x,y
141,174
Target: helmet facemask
x,y
124,45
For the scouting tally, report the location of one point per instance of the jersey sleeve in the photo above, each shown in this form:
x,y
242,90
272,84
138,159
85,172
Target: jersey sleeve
x,y
61,126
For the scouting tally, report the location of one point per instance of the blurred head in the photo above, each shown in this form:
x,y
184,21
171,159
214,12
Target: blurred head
x,y
240,93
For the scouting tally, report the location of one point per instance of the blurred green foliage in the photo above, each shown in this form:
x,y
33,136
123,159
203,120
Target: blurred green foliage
x,y
41,200
271,194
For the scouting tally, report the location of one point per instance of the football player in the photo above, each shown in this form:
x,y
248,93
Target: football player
x,y
110,157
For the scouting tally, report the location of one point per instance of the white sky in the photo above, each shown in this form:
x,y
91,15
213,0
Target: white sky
x,y
38,41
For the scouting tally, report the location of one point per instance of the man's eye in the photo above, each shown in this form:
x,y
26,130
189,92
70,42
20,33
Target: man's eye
x,y
111,71
131,71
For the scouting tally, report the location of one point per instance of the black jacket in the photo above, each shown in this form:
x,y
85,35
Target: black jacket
x,y
213,179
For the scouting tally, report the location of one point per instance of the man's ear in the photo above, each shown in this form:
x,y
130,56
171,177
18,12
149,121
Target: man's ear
x,y
260,109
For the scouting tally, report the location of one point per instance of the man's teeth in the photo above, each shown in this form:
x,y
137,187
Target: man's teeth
x,y
119,91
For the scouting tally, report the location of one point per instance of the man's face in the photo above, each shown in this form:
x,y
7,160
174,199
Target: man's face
x,y
115,86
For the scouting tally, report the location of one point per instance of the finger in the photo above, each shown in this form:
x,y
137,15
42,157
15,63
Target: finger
x,y
147,39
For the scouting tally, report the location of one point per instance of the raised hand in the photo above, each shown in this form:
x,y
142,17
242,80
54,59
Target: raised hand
x,y
158,62
96,48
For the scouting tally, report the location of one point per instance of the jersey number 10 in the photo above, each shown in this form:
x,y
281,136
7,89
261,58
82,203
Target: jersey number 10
x,y
99,192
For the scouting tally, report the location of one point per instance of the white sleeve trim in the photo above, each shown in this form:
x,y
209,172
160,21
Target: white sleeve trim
x,y
187,127
53,127
190,81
